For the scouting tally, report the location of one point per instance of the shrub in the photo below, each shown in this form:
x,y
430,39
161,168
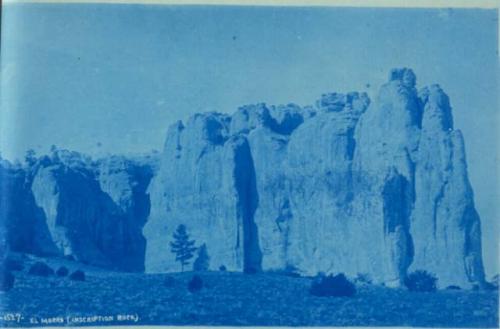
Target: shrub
x,y
77,275
40,269
62,271
338,285
421,281
69,257
202,262
195,284
6,281
222,268
169,281
453,287
10,264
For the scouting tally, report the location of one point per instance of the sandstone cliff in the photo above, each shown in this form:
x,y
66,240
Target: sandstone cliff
x,y
350,185
67,204
353,185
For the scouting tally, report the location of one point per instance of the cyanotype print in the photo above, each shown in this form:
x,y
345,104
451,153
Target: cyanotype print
x,y
150,176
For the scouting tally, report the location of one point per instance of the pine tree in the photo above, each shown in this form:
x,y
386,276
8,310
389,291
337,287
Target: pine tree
x,y
182,247
202,262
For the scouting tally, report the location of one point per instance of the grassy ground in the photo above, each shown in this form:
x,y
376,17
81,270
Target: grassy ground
x,y
236,299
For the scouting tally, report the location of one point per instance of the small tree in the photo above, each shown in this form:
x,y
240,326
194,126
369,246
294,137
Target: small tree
x,y
182,247
202,262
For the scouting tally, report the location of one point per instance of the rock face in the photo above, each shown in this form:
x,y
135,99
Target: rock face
x,y
349,185
23,223
92,210
206,181
445,225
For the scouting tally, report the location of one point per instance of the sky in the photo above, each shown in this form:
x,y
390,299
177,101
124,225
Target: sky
x,y
111,78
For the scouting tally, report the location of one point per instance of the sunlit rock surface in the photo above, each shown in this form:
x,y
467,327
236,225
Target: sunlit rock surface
x,y
350,185
206,181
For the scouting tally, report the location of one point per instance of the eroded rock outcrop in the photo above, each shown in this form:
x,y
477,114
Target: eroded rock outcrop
x,y
348,186
68,204
22,222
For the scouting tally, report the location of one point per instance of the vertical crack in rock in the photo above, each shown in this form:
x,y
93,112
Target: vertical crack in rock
x,y
351,143
435,207
472,250
248,200
397,205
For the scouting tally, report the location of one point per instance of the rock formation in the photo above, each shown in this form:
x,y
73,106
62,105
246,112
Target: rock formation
x,y
92,210
348,185
23,223
375,187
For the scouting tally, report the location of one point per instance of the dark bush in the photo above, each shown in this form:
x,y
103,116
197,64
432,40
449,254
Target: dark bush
x,y
195,284
10,264
62,271
169,281
421,281
40,269
338,285
6,281
222,268
453,287
77,275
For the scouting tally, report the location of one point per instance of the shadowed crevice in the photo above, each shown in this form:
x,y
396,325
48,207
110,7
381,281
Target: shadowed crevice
x,y
248,200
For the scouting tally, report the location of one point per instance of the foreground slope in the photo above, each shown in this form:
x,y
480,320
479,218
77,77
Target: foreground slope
x,y
234,299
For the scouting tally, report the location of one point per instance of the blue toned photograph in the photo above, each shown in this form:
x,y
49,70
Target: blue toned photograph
x,y
236,165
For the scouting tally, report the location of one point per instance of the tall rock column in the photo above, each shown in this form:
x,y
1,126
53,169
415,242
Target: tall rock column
x,y
445,224
384,170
